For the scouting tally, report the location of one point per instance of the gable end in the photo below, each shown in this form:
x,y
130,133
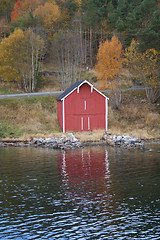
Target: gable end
x,y
77,85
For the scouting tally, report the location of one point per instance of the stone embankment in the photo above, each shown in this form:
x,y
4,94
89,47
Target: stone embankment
x,y
126,142
69,141
66,142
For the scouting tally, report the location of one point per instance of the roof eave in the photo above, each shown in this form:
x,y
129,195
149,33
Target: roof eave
x,y
75,89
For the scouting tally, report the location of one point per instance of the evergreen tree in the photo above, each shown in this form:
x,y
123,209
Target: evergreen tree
x,y
93,12
150,36
71,7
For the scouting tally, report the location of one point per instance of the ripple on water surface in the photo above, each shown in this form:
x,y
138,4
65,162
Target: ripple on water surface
x,y
91,193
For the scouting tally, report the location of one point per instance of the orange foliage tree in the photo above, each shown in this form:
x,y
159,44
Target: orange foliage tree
x,y
15,12
24,6
109,62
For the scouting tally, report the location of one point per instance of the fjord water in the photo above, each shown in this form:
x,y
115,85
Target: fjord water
x,y
90,193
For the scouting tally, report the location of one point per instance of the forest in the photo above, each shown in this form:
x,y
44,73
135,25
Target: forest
x,y
67,38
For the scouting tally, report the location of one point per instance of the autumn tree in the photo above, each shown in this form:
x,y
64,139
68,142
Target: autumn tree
x,y
48,14
108,66
132,60
109,61
25,21
151,69
145,66
22,7
19,58
15,13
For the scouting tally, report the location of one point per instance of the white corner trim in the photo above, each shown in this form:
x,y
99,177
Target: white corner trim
x,y
106,114
91,88
63,110
77,89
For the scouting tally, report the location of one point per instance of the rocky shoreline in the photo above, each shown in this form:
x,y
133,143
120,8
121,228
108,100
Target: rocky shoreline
x,y
69,141
66,142
124,141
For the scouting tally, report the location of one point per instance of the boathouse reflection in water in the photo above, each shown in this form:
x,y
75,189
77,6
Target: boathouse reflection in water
x,y
84,166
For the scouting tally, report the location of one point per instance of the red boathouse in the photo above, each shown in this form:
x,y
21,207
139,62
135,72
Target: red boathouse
x,y
82,108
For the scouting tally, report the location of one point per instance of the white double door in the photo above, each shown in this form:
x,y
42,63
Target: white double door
x,y
85,123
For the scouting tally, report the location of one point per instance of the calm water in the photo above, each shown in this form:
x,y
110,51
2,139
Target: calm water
x,y
94,193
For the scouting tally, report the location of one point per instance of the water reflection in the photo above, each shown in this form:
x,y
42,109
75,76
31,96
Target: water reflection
x,y
84,166
91,193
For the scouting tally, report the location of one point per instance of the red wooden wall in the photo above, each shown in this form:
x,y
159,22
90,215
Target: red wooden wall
x,y
84,111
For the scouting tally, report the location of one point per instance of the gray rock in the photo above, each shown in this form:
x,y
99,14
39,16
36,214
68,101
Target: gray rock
x,y
66,142
126,142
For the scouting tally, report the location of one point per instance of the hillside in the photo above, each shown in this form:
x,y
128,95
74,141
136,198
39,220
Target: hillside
x,y
48,45
37,117
62,37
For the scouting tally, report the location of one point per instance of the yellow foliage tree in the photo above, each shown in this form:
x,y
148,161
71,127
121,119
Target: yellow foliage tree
x,y
49,13
145,67
19,58
132,56
109,61
11,49
150,67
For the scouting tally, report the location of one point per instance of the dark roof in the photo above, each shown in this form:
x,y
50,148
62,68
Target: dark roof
x,y
65,93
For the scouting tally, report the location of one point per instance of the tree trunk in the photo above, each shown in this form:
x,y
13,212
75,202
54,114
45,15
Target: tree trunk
x,y
32,78
90,48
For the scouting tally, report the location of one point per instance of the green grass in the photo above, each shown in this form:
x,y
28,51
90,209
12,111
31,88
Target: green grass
x,y
8,88
4,90
9,130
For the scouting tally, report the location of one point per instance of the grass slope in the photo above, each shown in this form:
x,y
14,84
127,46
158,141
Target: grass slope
x,y
28,117
37,117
